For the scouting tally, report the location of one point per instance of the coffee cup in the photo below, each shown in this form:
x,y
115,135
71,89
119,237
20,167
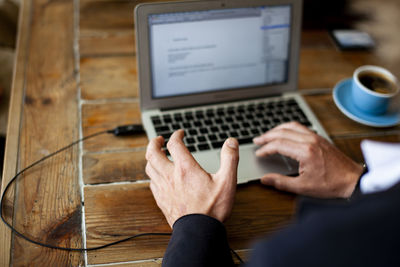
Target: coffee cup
x,y
374,89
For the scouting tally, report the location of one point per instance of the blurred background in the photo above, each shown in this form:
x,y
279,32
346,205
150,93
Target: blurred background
x,y
8,32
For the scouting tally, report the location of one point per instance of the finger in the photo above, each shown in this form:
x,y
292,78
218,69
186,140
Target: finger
x,y
156,156
229,160
294,126
286,147
284,133
282,182
153,174
179,152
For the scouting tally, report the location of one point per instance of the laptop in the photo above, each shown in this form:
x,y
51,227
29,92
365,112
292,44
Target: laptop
x,y
219,69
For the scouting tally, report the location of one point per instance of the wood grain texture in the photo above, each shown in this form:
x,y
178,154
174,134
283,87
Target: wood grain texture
x,y
114,167
114,212
107,27
324,67
14,120
336,123
47,205
117,211
99,117
108,77
351,145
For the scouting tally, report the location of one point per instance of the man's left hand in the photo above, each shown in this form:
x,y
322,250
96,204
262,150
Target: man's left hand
x,y
182,187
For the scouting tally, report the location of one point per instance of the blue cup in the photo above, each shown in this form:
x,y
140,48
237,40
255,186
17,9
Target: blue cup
x,y
366,99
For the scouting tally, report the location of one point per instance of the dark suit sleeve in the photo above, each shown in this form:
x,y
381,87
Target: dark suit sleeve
x,y
198,240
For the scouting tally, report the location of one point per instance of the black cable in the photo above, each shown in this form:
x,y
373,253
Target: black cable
x,y
118,131
124,130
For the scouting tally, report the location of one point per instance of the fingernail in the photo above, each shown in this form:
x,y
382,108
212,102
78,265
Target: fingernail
x,y
256,139
232,143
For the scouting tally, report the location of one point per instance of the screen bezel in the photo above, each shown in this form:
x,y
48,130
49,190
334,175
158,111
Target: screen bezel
x,y
147,101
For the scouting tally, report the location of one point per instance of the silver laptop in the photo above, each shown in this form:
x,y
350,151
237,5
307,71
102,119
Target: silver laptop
x,y
221,69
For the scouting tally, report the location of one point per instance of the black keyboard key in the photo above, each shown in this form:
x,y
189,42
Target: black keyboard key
x,y
197,123
223,136
256,123
178,119
265,129
230,110
210,113
166,135
239,117
201,139
259,115
156,121
160,129
224,127
202,147
229,119
221,112
306,123
190,140
192,132
212,137
235,126
187,125
167,120
244,132
208,122
245,124
192,148
218,121
176,126
199,116
249,116
255,131
276,120
214,129
233,134
217,144
247,140
203,130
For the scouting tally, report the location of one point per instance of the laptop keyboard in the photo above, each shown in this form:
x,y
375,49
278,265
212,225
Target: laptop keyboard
x,y
207,128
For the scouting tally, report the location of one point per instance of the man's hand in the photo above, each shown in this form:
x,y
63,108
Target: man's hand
x,y
182,187
324,171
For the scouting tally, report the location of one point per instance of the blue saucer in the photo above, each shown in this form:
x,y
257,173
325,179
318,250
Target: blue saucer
x,y
343,100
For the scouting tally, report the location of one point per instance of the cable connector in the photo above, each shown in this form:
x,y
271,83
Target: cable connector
x,y
127,130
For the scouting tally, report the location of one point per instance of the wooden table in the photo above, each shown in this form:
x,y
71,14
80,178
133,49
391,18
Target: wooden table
x,y
76,75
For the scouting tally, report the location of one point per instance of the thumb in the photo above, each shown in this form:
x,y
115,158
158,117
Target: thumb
x,y
281,182
229,159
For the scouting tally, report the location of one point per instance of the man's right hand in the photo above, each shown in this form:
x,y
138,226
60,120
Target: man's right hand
x,y
324,171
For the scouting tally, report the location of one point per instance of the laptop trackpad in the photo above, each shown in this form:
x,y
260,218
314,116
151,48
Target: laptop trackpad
x,y
252,167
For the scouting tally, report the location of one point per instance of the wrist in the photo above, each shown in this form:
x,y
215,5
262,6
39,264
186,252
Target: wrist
x,y
354,178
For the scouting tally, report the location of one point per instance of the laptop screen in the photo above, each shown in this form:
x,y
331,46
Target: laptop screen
x,y
203,51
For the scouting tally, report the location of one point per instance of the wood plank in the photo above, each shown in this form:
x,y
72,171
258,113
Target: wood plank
x,y
116,211
114,167
48,200
107,27
120,42
14,120
351,145
336,123
108,77
99,117
324,67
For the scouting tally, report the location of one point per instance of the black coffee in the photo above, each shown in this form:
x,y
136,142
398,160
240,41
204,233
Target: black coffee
x,y
377,82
